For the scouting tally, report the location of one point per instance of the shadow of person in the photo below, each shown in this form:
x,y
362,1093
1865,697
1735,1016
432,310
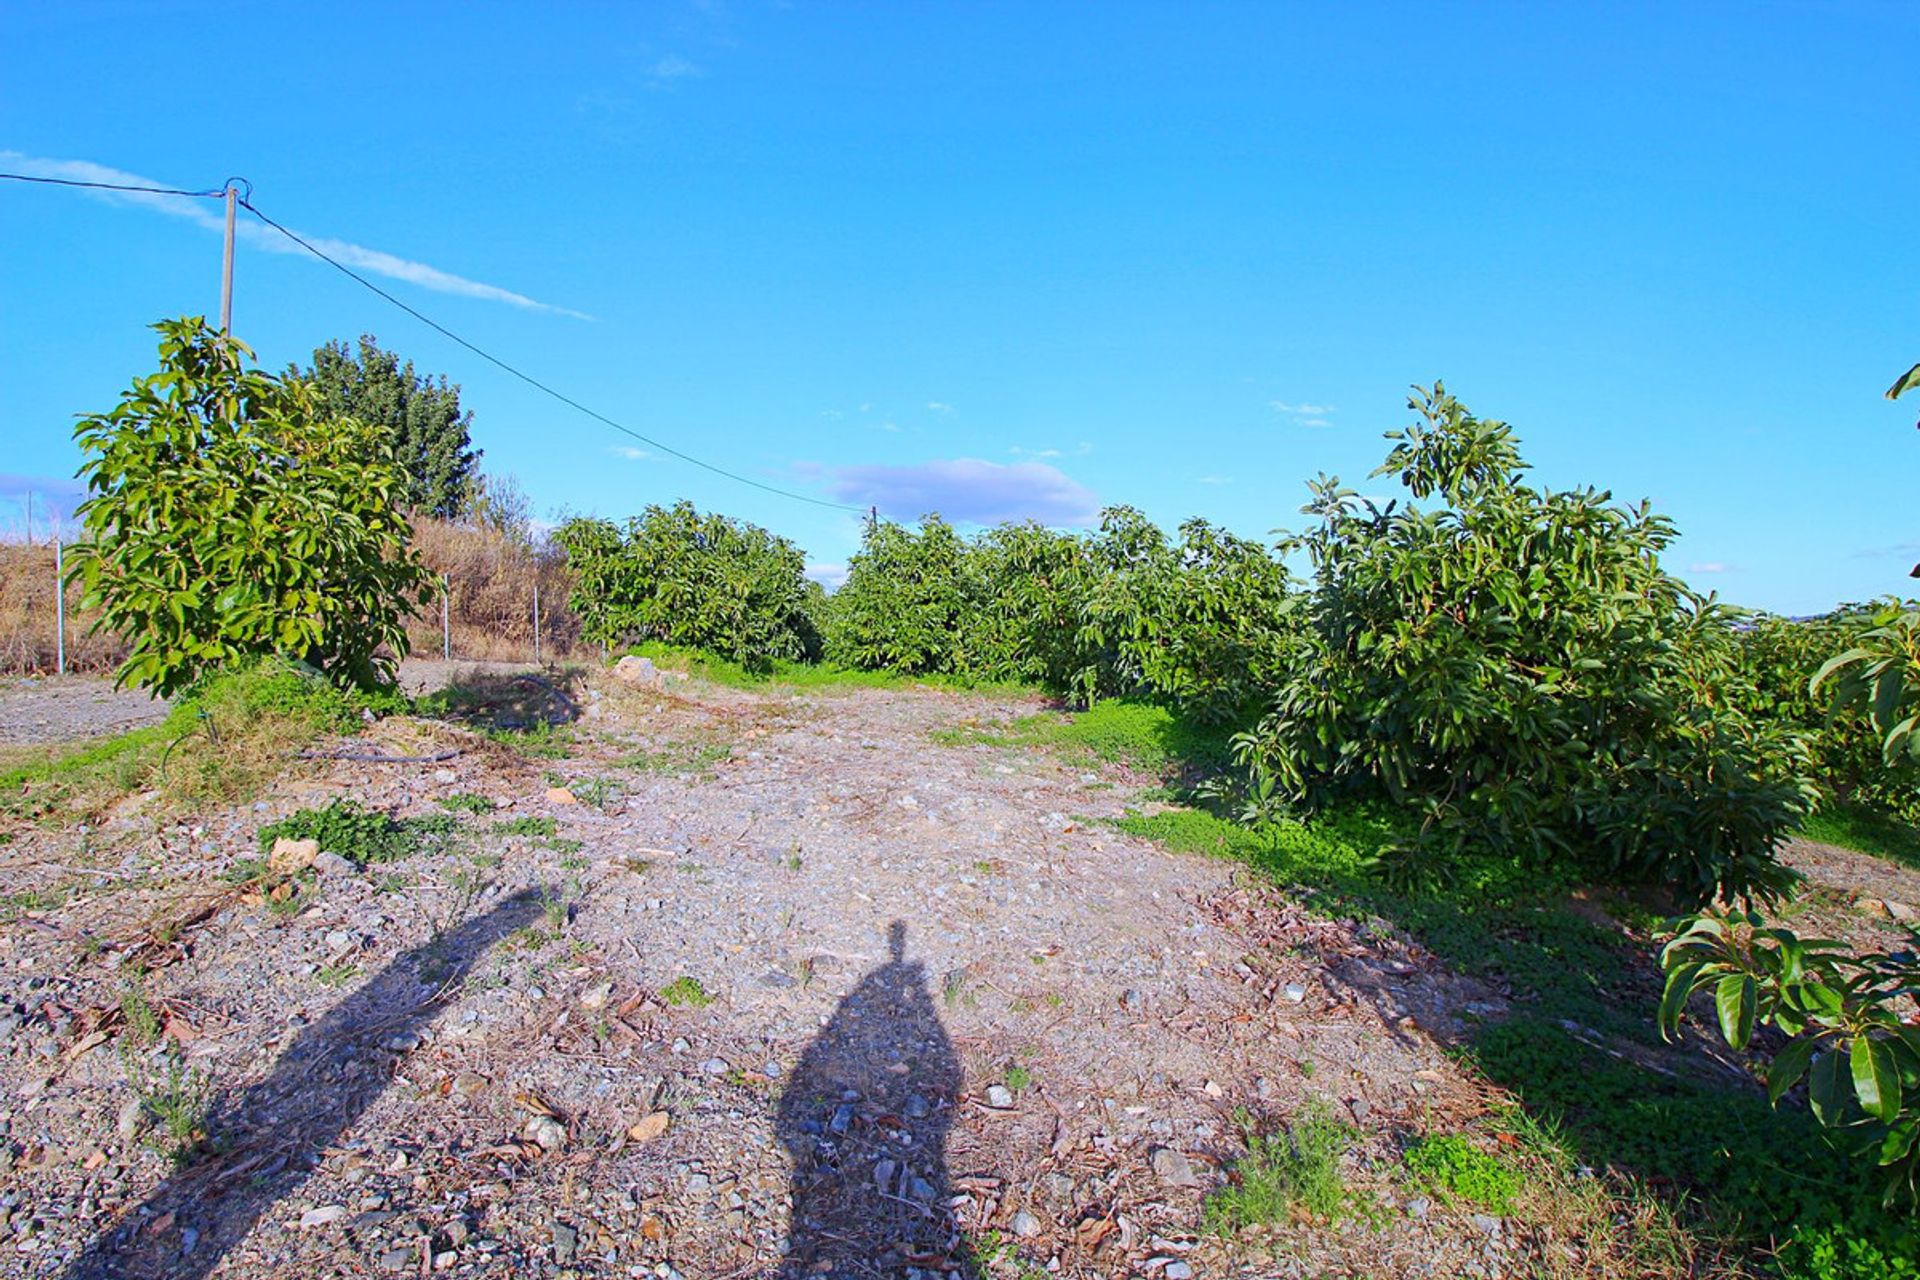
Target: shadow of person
x,y
266,1138
864,1118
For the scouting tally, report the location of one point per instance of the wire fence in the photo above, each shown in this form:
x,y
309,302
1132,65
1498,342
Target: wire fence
x,y
503,599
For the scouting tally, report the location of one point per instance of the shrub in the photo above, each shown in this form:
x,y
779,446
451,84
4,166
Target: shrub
x,y
905,602
681,577
1516,663
1205,625
228,518
1780,658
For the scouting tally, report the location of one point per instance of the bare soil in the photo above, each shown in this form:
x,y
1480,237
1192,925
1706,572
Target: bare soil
x,y
947,1022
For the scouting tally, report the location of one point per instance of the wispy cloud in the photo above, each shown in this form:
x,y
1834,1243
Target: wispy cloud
x,y
631,453
832,413
1711,566
1305,413
969,491
939,406
1079,451
667,72
202,212
1886,552
1216,479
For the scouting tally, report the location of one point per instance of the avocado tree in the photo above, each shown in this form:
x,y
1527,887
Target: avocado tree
x,y
228,516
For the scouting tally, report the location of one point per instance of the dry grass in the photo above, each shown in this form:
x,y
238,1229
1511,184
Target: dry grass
x,y
27,618
490,578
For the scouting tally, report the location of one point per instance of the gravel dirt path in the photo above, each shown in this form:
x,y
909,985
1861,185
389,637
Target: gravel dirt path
x,y
741,984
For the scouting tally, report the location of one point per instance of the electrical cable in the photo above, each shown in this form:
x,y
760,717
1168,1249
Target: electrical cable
x,y
113,186
538,385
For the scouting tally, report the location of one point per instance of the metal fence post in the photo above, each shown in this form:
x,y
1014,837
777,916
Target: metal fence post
x,y
59,606
536,619
446,621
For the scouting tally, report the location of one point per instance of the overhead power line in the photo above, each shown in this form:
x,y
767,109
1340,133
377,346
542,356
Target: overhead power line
x,y
112,186
246,203
538,385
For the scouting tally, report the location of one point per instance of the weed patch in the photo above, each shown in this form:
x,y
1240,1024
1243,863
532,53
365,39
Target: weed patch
x,y
1452,1164
362,836
685,993
1285,1173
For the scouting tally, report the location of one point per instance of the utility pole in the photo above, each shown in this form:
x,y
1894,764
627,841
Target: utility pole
x,y
226,267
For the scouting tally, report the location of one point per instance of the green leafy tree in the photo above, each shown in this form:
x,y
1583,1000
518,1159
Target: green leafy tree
x,y
1515,663
1207,625
422,419
229,515
905,602
684,577
1795,677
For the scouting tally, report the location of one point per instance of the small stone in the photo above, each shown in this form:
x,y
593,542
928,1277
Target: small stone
x,y
1178,1270
1901,911
132,1121
884,1174
1293,993
635,670
1419,1207
1361,1109
596,998
1132,1001
321,1216
842,1118
341,941
715,1066
999,1097
400,1259
649,1127
560,795
329,863
1025,1225
444,776
546,1133
1172,1167
469,1084
565,1241
1487,1223
289,855
916,1107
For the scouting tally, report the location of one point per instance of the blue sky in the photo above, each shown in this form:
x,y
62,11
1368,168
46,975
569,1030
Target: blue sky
x,y
1028,258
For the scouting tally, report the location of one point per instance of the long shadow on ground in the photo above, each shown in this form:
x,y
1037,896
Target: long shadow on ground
x,y
865,1119
268,1137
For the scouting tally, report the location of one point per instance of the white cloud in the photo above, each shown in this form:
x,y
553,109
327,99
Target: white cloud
x,y
629,452
1311,422
939,406
832,413
889,426
1710,566
204,213
1303,410
668,71
969,491
1216,479
829,576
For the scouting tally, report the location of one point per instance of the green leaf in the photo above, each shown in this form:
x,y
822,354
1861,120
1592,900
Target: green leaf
x,y
1876,1081
1826,1088
1673,1001
1904,383
1788,1066
1736,1000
